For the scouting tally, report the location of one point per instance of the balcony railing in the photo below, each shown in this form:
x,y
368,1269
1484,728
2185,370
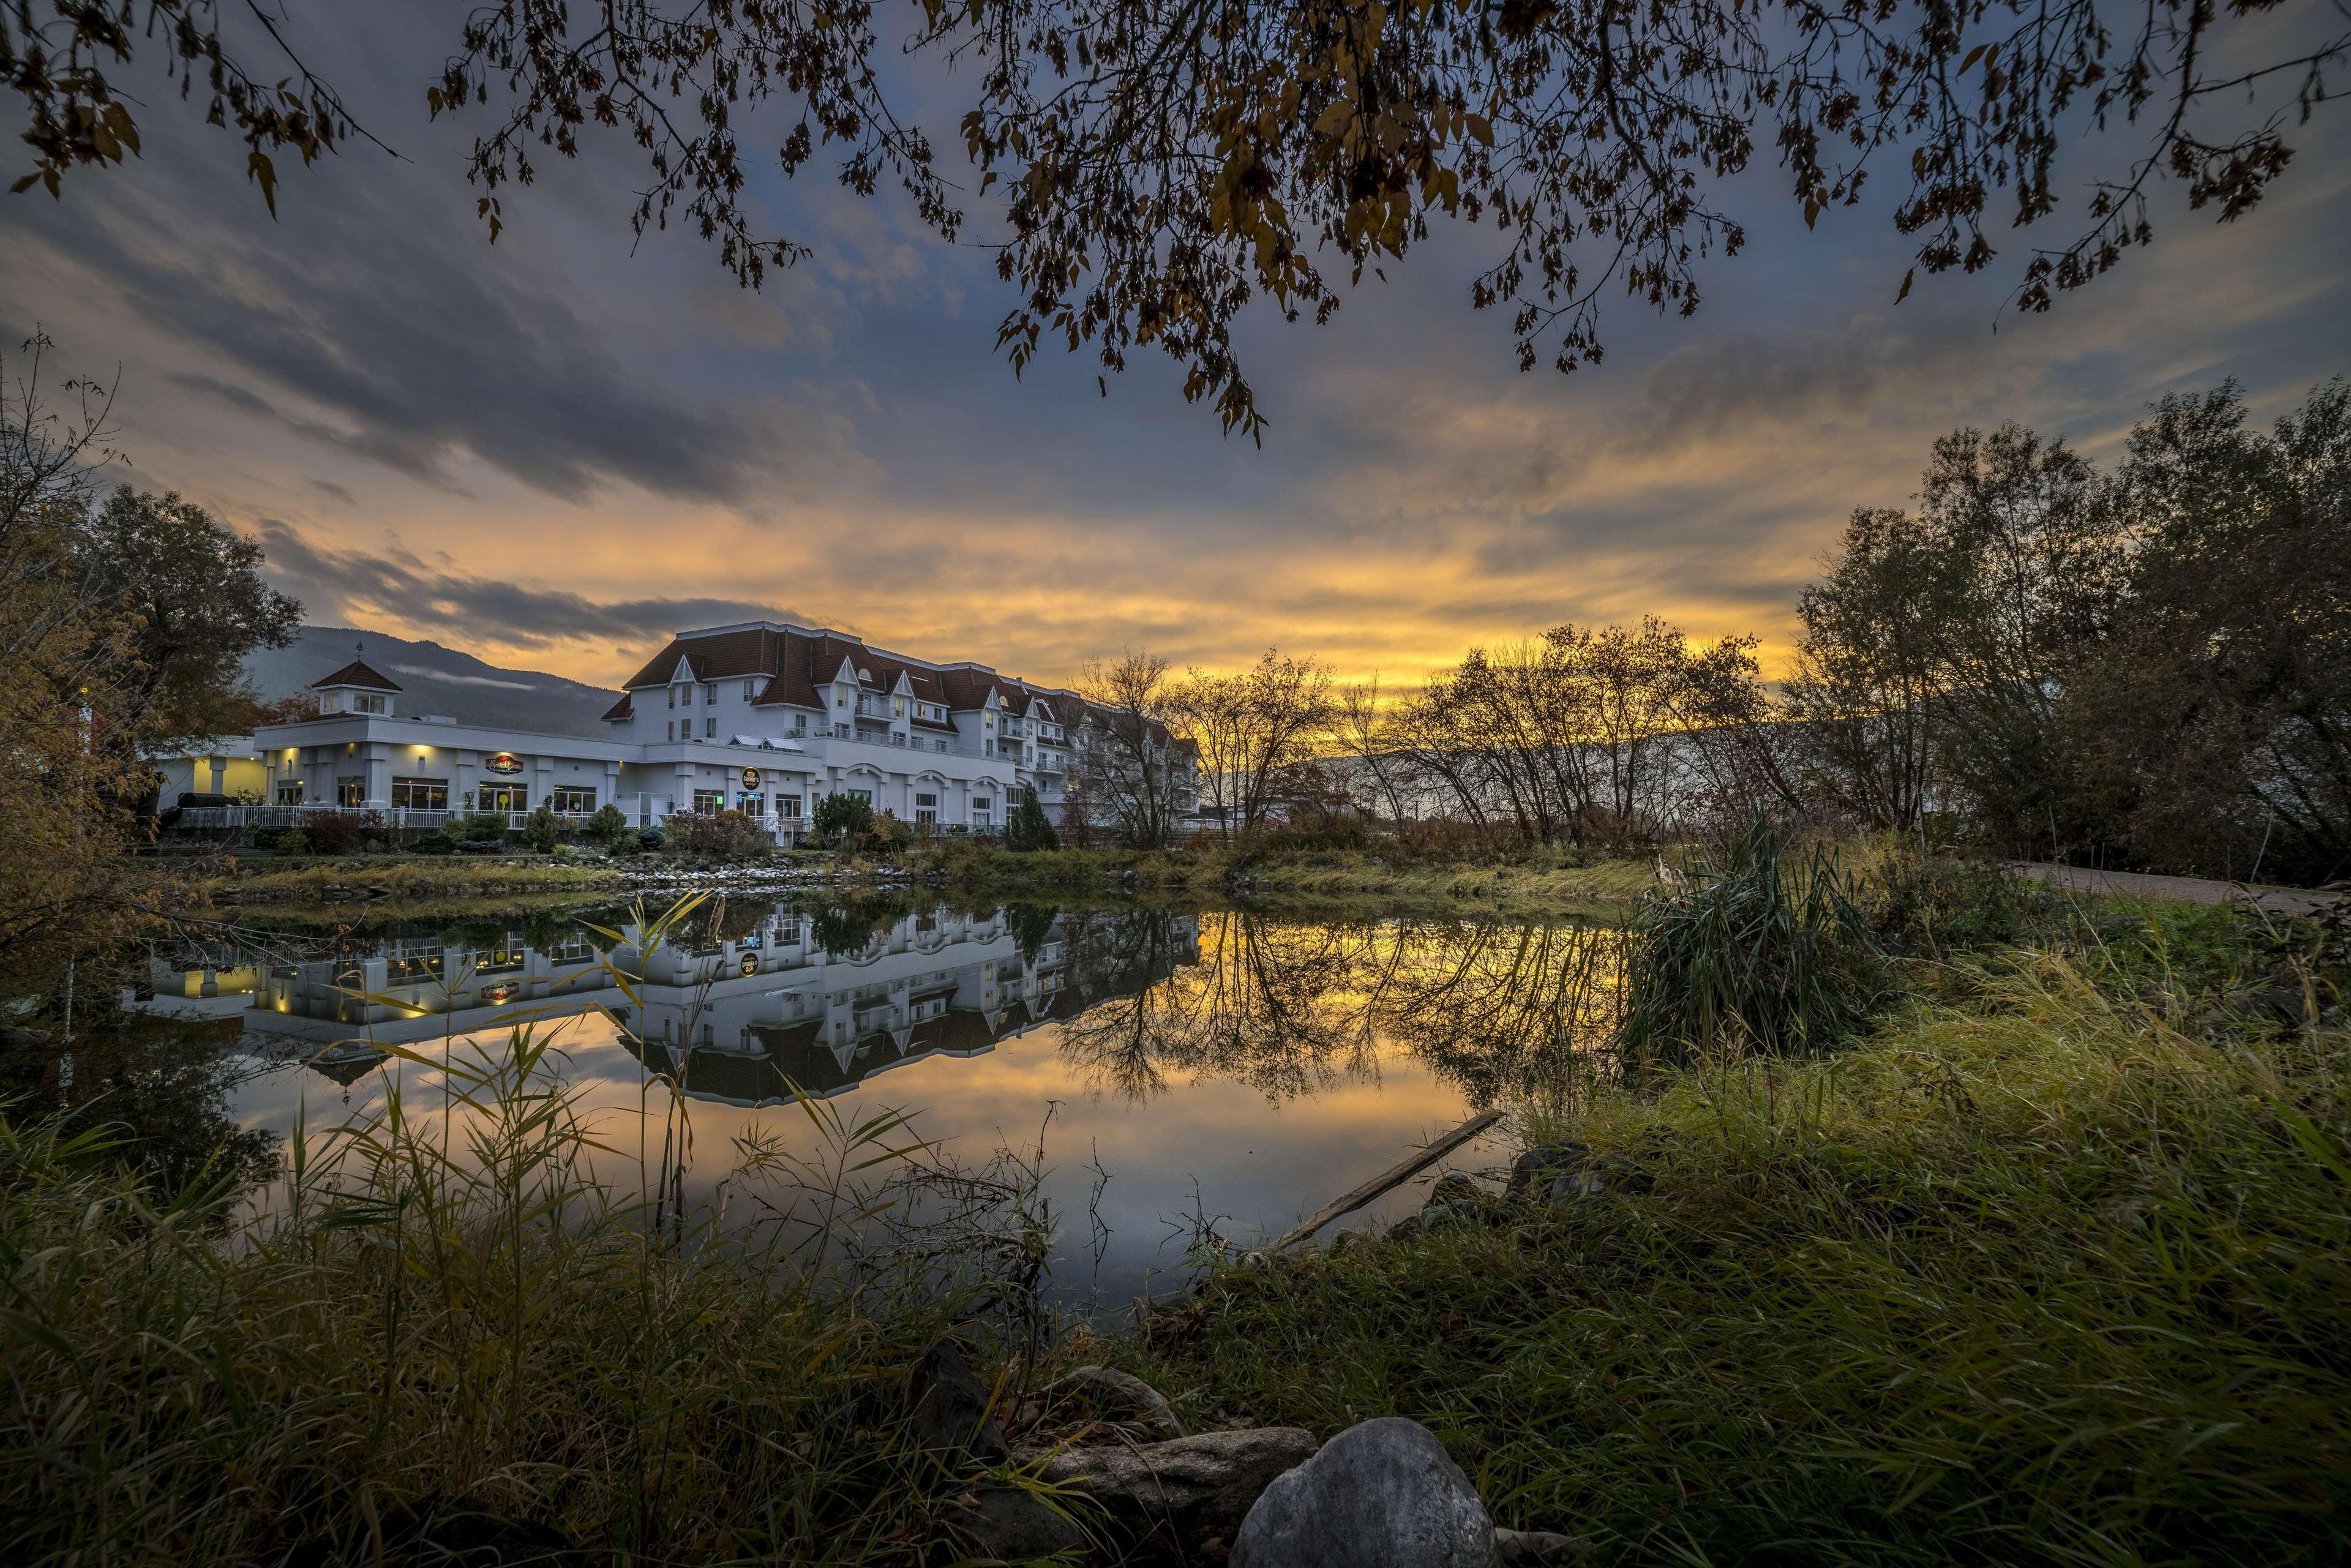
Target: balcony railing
x,y
1012,728
877,707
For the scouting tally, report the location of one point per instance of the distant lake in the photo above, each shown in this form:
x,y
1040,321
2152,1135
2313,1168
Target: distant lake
x,y
1180,1065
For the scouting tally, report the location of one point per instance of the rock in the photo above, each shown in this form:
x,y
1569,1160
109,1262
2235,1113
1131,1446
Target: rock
x,y
1172,1496
1120,1399
1016,1525
1454,1187
1537,1548
1382,1491
1347,1240
1531,1175
1439,1215
947,1406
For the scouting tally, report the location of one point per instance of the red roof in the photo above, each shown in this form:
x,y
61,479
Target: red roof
x,y
355,674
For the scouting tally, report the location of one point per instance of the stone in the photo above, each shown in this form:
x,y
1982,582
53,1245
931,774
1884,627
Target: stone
x,y
1120,1399
1381,1492
947,1406
1171,1496
1534,1172
1537,1548
1439,1215
1454,1187
1015,1526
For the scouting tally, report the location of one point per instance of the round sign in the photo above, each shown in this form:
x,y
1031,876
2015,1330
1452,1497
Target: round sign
x,y
751,963
502,762
751,779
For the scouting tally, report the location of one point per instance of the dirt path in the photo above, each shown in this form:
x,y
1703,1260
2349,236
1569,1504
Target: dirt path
x,y
2182,889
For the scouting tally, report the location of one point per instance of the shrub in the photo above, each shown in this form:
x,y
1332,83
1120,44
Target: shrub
x,y
627,842
607,824
837,816
1750,954
652,841
728,835
293,841
541,830
891,832
336,832
1028,828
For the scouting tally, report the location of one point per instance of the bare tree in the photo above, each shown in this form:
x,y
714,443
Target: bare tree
x,y
1252,730
1135,768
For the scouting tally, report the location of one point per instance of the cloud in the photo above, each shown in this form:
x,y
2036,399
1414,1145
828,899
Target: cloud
x,y
456,680
396,587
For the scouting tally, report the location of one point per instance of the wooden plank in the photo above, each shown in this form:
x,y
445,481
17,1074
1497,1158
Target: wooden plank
x,y
1392,1176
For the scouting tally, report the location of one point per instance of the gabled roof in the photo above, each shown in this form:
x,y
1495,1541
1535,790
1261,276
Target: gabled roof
x,y
624,708
355,674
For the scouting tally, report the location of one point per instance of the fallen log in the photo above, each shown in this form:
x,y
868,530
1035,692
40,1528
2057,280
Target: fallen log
x,y
1392,1176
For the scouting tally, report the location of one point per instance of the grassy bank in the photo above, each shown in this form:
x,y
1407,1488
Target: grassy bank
x,y
2056,1267
357,878
1545,884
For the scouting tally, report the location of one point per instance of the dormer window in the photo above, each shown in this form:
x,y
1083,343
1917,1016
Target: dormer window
x,y
361,701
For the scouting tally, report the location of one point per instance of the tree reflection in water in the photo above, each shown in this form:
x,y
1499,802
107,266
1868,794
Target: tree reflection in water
x,y
1501,1011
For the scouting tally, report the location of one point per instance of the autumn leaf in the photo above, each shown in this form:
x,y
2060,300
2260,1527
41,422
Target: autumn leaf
x,y
1906,279
258,167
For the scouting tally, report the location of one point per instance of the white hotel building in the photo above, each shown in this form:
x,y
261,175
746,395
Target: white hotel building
x,y
760,716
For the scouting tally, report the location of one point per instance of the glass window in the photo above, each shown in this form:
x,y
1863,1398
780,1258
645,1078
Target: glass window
x,y
926,809
289,791
364,704
351,792
672,696
788,805
710,695
505,798
710,729
864,795
747,691
577,799
420,794
669,730
709,800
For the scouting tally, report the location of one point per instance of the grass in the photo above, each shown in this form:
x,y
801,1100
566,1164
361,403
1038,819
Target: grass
x,y
406,876
1541,884
2041,1272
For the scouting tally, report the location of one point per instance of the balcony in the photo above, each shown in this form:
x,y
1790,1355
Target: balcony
x,y
1012,728
877,707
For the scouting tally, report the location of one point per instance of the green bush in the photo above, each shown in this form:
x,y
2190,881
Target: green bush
x,y
607,824
540,829
293,841
728,835
839,816
627,842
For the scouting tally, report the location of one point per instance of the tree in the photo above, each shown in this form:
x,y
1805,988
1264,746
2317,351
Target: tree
x,y
541,830
839,815
1252,728
1028,828
1131,765
195,590
1158,164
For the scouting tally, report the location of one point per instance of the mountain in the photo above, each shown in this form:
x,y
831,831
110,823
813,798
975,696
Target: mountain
x,y
437,679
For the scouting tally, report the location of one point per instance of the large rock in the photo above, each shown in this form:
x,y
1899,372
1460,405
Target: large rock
x,y
1117,1398
1384,1493
1175,1496
1016,1526
1536,1171
947,1406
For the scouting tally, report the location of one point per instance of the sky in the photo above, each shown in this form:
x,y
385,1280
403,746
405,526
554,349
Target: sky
x,y
554,451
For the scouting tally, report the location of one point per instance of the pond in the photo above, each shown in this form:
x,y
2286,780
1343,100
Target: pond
x,y
1180,1066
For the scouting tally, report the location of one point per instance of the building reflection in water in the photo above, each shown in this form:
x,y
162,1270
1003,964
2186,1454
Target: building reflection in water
x,y
754,996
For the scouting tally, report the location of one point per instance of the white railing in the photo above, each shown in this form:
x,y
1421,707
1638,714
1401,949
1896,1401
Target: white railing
x,y
384,816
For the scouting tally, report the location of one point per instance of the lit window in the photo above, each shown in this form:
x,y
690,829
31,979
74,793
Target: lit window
x,y
351,792
574,799
420,794
709,801
505,798
289,791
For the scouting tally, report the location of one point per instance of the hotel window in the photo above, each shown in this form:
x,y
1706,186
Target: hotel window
x,y
669,730
788,805
289,791
710,728
710,695
505,798
981,807
709,801
864,795
574,797
747,691
366,705
926,809
420,794
672,696
351,793
788,931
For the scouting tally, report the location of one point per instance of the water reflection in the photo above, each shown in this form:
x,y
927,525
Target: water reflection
x,y
1221,1063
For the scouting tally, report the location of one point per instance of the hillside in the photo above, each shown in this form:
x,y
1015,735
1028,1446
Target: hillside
x,y
437,679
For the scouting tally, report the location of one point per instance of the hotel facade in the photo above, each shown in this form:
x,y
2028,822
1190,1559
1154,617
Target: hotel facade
x,y
760,717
